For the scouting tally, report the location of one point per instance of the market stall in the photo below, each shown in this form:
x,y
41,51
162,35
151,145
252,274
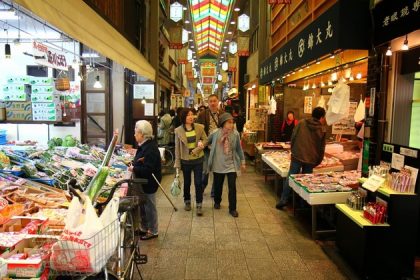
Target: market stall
x,y
323,189
35,202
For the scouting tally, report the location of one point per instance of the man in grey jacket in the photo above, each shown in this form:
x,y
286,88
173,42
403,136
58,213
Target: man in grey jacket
x,y
308,147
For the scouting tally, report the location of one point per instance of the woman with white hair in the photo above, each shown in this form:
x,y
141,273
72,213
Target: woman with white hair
x,y
146,162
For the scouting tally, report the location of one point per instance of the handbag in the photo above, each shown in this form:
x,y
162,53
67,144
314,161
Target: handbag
x,y
175,186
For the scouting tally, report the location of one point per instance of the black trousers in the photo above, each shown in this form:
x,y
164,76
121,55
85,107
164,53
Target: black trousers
x,y
219,178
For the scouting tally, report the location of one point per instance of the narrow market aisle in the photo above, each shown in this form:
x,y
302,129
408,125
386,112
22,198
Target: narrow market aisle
x,y
263,243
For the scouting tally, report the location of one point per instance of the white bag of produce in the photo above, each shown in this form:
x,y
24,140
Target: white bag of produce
x,y
339,104
88,241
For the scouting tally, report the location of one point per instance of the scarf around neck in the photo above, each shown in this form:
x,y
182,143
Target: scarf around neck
x,y
224,140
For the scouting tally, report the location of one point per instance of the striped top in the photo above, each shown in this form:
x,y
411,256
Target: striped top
x,y
191,144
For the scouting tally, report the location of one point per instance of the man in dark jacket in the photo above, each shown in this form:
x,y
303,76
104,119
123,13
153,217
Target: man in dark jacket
x,y
308,147
146,163
210,119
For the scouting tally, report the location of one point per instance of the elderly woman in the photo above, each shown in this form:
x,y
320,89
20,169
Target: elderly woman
x,y
146,162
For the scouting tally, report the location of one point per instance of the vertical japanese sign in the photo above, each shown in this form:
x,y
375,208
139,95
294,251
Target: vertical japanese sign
x,y
189,71
232,61
307,107
176,37
183,55
243,46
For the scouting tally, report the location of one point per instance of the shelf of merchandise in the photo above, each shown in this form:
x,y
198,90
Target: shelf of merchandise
x,y
380,251
357,216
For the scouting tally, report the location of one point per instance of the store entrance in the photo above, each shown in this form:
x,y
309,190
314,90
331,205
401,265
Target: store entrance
x,y
97,128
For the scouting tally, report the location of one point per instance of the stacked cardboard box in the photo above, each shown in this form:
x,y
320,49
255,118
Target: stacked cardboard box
x,y
46,104
18,111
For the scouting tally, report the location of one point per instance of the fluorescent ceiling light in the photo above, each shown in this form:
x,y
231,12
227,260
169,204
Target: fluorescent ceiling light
x,y
8,15
92,55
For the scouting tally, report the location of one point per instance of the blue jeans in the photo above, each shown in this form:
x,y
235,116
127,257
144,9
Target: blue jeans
x,y
187,169
149,215
296,167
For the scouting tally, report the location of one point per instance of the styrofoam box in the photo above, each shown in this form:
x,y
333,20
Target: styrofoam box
x,y
42,89
51,105
38,81
45,97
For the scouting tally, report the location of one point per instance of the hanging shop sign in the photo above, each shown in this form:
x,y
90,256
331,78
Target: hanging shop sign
x,y
176,38
208,71
307,108
232,64
225,77
243,46
183,55
329,32
393,19
208,80
46,56
176,11
189,71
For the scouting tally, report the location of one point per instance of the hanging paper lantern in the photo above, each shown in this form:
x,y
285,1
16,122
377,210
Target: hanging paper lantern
x,y
243,23
233,47
176,11
225,66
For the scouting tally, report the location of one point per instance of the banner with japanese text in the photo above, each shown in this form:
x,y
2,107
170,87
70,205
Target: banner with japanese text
x,y
330,32
183,55
176,37
189,71
232,61
243,46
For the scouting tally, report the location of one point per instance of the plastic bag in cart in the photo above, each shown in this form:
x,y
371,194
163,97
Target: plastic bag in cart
x,y
88,241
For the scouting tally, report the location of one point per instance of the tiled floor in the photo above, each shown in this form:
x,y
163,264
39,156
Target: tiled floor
x,y
262,243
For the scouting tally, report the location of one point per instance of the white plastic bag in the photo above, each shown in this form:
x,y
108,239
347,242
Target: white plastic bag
x,y
175,186
339,104
359,115
88,241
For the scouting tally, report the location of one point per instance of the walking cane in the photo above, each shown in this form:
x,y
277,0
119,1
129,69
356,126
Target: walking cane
x,y
173,205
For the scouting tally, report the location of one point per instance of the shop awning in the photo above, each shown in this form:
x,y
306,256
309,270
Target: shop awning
x,y
79,21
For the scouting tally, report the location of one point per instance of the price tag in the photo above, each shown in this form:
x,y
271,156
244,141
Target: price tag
x,y
397,161
374,183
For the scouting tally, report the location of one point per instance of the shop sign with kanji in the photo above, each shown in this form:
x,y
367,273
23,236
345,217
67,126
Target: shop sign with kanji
x,y
393,19
176,38
333,30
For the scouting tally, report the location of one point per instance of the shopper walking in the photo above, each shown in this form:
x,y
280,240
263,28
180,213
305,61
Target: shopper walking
x,y
210,119
226,159
308,147
146,162
287,126
190,140
165,121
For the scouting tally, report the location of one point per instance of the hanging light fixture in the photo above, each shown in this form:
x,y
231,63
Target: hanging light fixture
x,y
359,76
389,51
314,86
330,83
334,76
351,78
143,101
405,45
97,83
322,84
225,66
7,51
